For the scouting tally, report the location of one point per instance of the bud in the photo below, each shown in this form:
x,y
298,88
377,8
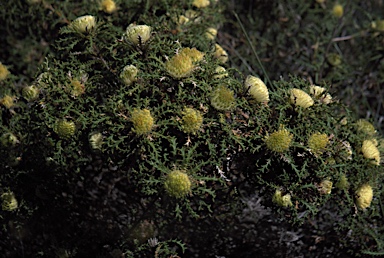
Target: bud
x,y
3,72
282,200
8,101
301,99
200,3
9,201
138,34
364,195
191,120
370,151
108,6
338,10
142,121
129,74
257,89
317,143
211,33
220,72
223,98
8,140
343,183
334,59
96,141
30,93
64,129
325,187
84,24
177,184
279,141
220,54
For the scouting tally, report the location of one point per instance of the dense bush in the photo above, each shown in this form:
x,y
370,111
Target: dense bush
x,y
133,137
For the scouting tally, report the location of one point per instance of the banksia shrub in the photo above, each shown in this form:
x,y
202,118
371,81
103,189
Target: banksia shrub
x,y
279,141
364,195
177,184
142,121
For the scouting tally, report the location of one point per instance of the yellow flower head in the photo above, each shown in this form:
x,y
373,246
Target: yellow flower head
x,y
223,98
325,187
220,54
9,201
142,121
84,24
364,195
338,10
301,99
365,127
64,129
129,74
279,141
282,200
211,33
220,72
96,141
177,184
257,89
319,93
76,87
182,64
334,59
200,3
138,34
3,72
108,6
191,120
8,101
370,151
317,142
193,53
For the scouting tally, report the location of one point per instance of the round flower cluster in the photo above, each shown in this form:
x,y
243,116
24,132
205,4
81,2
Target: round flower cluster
x,y
317,143
177,184
182,64
223,98
282,200
370,151
84,24
9,201
142,121
30,93
301,99
257,89
64,129
191,120
129,74
279,141
364,195
138,34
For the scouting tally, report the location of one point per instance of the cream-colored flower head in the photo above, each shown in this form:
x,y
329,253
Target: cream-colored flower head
x,y
282,200
223,98
201,3
220,54
30,93
364,195
8,101
96,141
257,89
138,34
365,127
108,6
84,24
3,72
338,10
300,98
370,151
211,33
129,74
319,93
279,141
